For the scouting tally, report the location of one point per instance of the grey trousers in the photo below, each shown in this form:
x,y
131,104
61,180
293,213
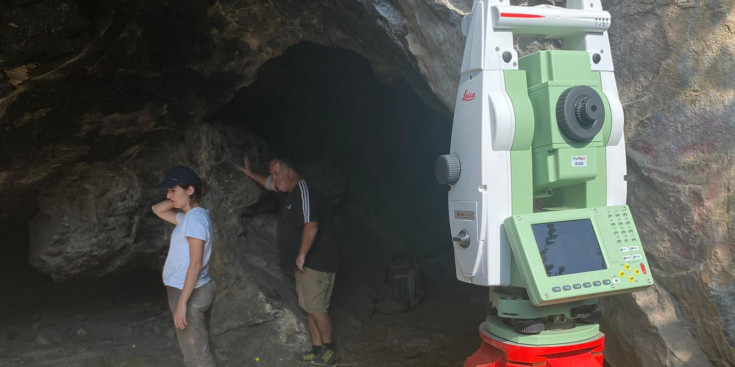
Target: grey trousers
x,y
194,338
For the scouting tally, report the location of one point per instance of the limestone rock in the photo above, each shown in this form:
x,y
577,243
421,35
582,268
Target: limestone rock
x,y
679,107
93,215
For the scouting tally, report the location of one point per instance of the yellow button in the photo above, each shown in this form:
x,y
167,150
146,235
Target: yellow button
x,y
637,271
621,273
627,267
631,279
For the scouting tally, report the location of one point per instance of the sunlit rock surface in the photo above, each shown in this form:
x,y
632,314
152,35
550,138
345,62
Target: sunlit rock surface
x,y
677,85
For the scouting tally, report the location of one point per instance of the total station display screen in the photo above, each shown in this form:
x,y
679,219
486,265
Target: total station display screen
x,y
568,247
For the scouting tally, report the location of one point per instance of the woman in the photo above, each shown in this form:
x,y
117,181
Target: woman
x,y
186,272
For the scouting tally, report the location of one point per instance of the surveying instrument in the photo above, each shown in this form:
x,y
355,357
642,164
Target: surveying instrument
x,y
537,188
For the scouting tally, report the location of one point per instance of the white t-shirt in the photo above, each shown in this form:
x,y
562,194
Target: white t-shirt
x,y
196,224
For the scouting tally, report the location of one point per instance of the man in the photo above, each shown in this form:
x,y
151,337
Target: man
x,y
306,251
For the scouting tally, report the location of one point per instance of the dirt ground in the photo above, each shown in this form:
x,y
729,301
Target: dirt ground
x,y
110,322
125,321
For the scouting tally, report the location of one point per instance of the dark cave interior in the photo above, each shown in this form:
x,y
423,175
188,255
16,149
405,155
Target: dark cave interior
x,y
371,147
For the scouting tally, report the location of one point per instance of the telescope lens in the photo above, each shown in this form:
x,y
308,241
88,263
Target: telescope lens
x,y
580,113
586,112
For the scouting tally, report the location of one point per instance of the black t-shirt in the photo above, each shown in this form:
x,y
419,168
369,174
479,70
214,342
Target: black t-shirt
x,y
297,208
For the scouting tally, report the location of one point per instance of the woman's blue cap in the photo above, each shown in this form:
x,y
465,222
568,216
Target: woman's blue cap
x,y
181,176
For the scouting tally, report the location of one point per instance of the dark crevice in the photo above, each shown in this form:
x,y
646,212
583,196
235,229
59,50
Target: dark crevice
x,y
324,109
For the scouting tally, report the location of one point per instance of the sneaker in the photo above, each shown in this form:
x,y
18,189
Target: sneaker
x,y
305,357
327,357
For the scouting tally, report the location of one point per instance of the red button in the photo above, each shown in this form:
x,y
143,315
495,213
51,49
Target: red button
x,y
643,269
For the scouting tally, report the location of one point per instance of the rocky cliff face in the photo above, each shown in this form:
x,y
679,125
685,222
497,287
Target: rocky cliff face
x,y
98,98
677,88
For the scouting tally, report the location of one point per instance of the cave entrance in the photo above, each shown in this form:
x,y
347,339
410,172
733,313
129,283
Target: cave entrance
x,y
370,144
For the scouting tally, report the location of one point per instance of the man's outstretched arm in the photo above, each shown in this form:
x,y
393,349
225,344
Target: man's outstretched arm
x,y
265,181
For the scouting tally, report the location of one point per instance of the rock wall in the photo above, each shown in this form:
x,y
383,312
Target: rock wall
x,y
96,99
677,84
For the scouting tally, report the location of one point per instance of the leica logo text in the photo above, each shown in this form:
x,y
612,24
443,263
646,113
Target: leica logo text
x,y
468,96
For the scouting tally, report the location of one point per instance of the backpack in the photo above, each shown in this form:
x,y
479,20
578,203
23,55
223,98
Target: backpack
x,y
402,288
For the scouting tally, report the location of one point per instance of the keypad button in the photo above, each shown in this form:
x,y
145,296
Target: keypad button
x,y
556,289
587,284
567,288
